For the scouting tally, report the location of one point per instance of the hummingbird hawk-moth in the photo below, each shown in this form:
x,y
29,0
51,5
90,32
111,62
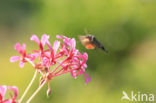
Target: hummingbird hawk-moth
x,y
90,42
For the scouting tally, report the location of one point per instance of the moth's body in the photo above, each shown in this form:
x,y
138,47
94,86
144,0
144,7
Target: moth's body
x,y
90,42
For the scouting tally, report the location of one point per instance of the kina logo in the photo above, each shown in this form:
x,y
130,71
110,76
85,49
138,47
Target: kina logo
x,y
140,97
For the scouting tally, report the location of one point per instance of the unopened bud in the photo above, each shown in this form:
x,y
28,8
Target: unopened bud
x,y
48,92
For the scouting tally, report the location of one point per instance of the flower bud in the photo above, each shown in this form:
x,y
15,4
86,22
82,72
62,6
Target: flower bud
x,y
48,92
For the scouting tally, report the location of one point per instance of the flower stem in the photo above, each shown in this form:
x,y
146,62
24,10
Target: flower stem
x,y
65,72
25,92
40,87
30,62
58,66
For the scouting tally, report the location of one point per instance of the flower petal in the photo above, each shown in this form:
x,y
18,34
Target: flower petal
x,y
73,43
44,39
87,78
58,37
48,44
56,46
17,47
21,64
14,89
85,55
14,58
3,90
23,46
8,101
73,73
35,38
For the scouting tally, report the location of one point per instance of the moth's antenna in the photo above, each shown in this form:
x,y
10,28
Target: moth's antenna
x,y
86,31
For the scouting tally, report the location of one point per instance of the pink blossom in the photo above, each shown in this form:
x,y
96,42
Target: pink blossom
x,y
3,91
75,63
15,90
21,50
81,65
69,45
44,40
60,59
68,41
56,46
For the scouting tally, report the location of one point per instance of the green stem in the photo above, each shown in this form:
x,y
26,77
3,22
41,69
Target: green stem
x,y
25,92
34,94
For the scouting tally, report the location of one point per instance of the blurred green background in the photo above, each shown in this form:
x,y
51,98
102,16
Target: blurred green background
x,y
127,29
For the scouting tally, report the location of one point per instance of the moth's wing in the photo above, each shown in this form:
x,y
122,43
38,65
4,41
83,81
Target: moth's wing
x,y
90,46
84,40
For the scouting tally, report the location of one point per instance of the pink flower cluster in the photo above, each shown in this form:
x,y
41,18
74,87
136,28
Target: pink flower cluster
x,y
61,58
3,90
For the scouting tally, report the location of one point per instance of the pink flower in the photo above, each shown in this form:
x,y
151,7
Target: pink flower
x,y
53,52
67,41
69,45
51,55
59,59
81,65
75,62
15,90
20,49
44,40
56,46
3,91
